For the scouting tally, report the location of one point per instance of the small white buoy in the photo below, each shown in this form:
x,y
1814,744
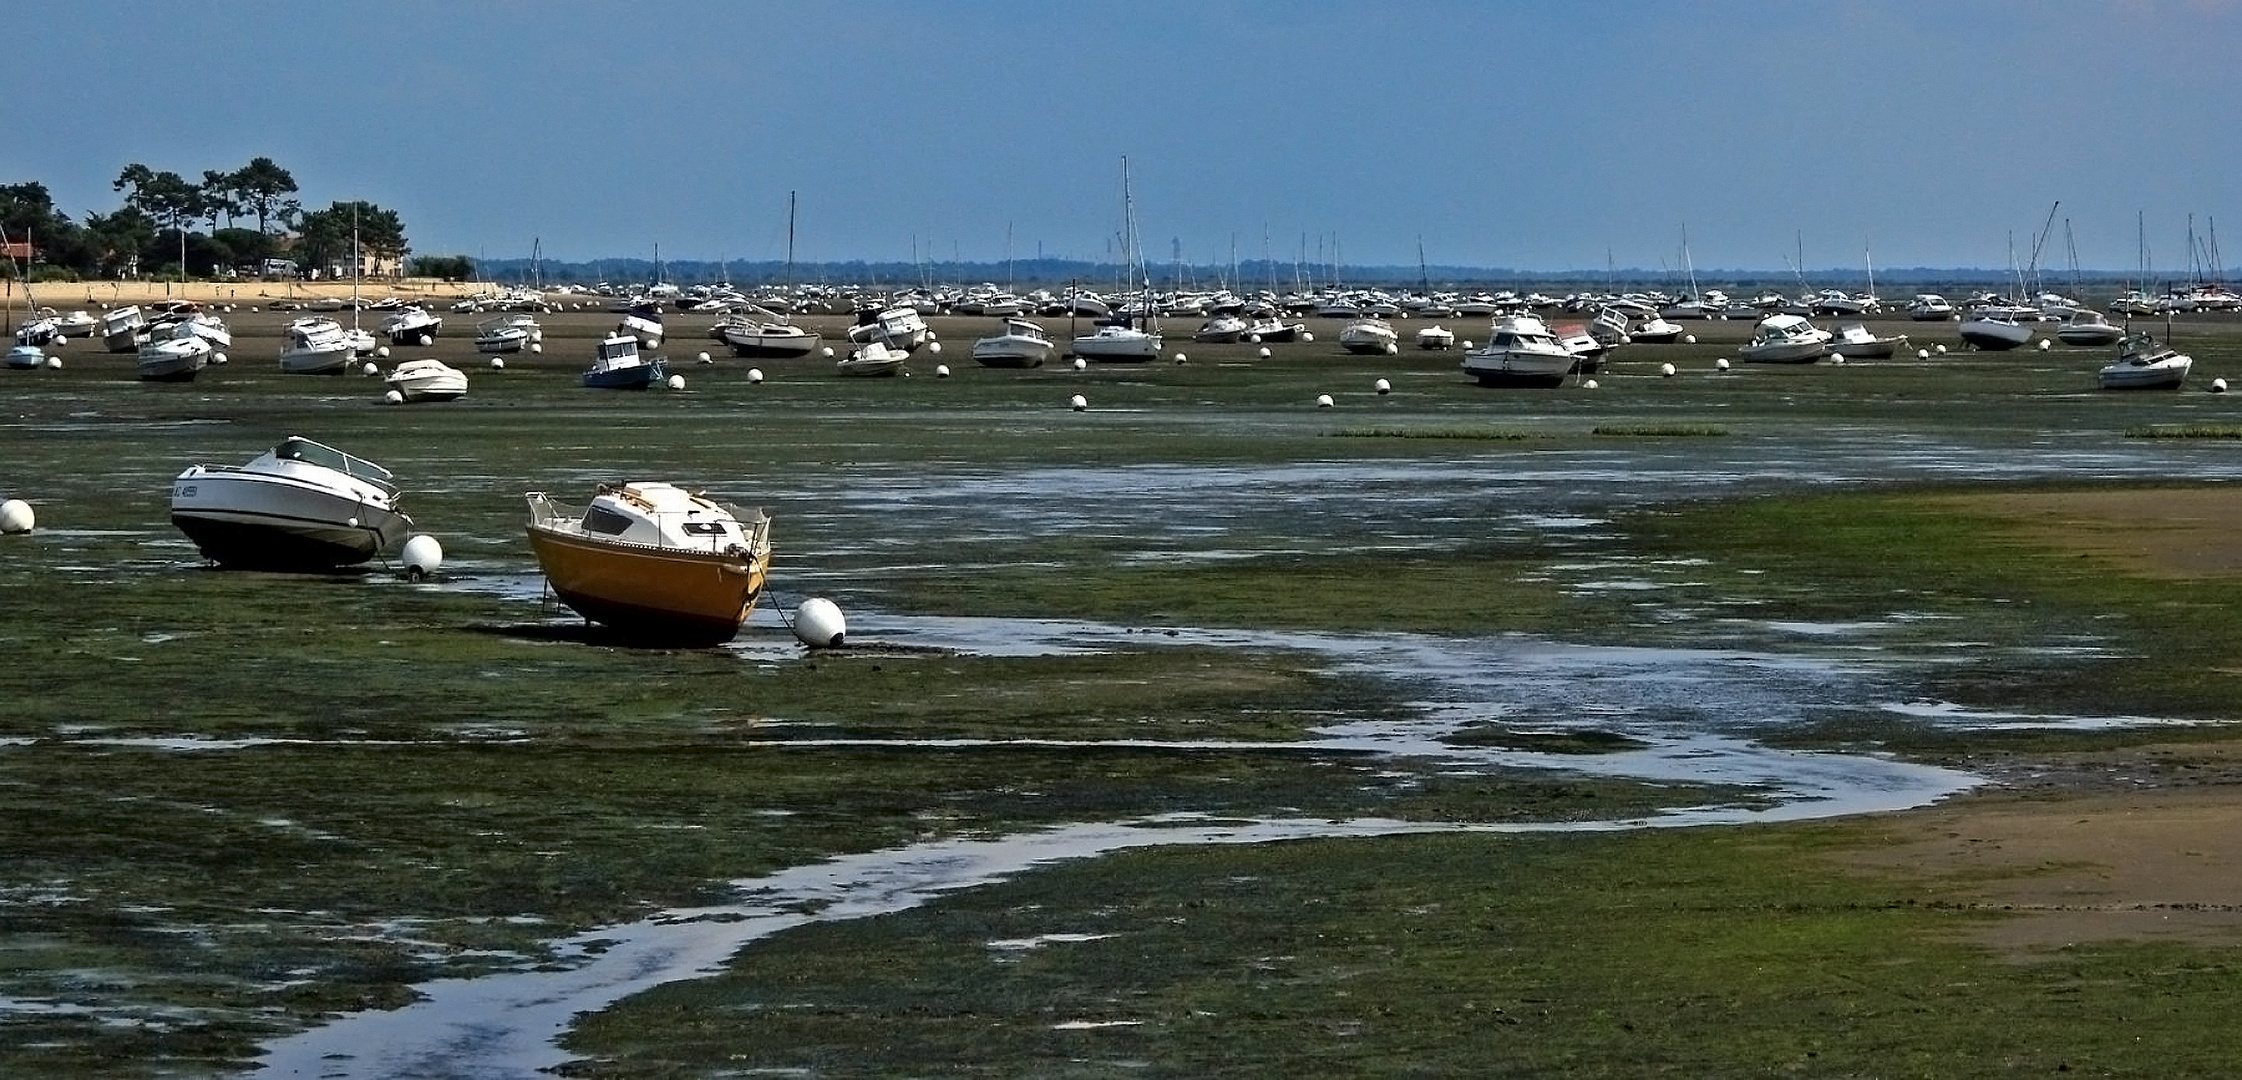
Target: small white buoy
x,y
2044,344
818,623
1255,339
934,347
1078,403
1179,358
931,335
422,555
1306,336
1689,339
382,352
1323,401
498,363
1080,364
1942,350
1721,364
1589,385
1837,359
61,340
1383,387
537,335
941,371
54,363
1264,352
370,368
1467,344
536,348
677,382
1666,370
15,516
702,358
755,375
217,358
1922,354
827,352
426,340
1392,348
393,398
2218,386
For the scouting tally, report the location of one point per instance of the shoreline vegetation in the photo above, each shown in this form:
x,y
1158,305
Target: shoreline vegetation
x,y
247,803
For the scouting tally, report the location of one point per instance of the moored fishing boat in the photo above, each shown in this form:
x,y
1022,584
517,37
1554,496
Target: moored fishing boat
x,y
301,505
617,365
653,561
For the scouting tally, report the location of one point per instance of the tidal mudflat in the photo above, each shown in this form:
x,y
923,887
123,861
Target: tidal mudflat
x,y
1203,630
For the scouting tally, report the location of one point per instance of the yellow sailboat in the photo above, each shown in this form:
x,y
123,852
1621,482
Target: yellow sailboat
x,y
654,561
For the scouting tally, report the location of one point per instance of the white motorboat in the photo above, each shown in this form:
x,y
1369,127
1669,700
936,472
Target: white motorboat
x,y
759,333
1785,339
1120,344
177,357
644,322
1854,341
316,345
299,506
427,379
618,365
1220,330
1369,335
40,330
1436,337
1993,331
1520,352
899,327
412,326
124,329
1655,331
27,357
872,358
1271,328
2086,327
1930,307
653,561
509,333
78,324
1021,344
2143,363
206,326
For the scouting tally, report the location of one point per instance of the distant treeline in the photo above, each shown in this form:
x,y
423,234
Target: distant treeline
x,y
1249,275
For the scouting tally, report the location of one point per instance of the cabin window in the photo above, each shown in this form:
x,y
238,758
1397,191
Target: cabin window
x,y
704,528
600,519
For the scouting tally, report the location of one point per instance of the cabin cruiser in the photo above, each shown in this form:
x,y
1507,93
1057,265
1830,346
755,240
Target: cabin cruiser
x,y
1930,307
762,334
872,358
298,506
1435,338
509,333
175,357
412,326
426,379
1021,344
1369,335
901,327
124,329
2143,363
643,321
316,345
617,365
1855,341
653,561
1120,343
1785,339
1994,330
1521,352
2086,327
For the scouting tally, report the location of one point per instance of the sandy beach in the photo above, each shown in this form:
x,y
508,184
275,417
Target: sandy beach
x,y
65,296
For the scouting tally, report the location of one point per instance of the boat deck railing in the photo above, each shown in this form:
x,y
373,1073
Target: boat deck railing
x,y
298,448
550,514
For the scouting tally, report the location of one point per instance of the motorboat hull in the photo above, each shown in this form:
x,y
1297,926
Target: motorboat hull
x,y
2162,375
770,343
1786,353
428,380
1118,346
1012,354
2090,335
176,360
653,594
1995,336
1532,369
265,522
633,377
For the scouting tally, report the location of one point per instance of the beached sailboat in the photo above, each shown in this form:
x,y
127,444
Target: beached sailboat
x,y
653,561
1130,340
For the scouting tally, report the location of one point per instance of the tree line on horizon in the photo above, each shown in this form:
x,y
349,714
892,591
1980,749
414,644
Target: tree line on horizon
x,y
159,230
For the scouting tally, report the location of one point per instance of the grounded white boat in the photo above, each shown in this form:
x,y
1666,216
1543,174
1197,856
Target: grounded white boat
x,y
427,379
644,322
78,324
412,326
1854,341
510,333
653,561
1271,328
1930,307
1436,337
2143,363
1654,331
299,506
178,357
26,357
1220,330
900,327
1118,344
1992,331
39,330
1520,352
758,333
1785,339
316,346
1369,335
2086,327
872,358
1021,344
123,329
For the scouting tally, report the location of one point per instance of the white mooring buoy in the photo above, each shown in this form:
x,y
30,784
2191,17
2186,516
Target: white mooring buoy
x,y
1323,401
16,516
1666,370
422,555
1383,387
819,624
1078,403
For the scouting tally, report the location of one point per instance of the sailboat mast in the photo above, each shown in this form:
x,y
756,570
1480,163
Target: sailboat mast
x,y
789,246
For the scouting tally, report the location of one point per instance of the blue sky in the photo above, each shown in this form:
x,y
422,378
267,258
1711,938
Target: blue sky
x,y
1546,136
